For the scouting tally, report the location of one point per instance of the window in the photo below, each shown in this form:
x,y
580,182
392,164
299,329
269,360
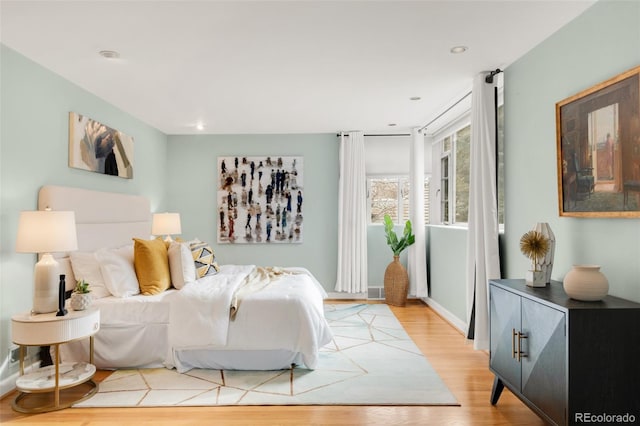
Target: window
x,y
462,161
444,186
454,174
454,153
390,195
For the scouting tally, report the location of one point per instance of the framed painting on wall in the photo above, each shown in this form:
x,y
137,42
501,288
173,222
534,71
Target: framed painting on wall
x,y
99,148
260,200
598,149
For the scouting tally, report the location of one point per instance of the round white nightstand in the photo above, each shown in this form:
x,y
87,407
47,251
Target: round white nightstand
x,y
62,384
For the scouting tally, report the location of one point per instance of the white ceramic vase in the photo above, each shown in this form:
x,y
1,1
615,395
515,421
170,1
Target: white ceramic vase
x,y
586,283
545,264
80,301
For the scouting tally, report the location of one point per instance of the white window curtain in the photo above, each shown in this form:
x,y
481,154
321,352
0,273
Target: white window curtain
x,y
352,215
483,257
417,254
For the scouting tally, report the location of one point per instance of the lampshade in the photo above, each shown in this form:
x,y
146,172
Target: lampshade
x,y
166,224
46,231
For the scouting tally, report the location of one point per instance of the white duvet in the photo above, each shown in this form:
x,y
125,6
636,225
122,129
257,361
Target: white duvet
x,y
277,309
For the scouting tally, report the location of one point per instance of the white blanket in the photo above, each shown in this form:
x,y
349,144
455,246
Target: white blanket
x,y
200,310
283,308
260,278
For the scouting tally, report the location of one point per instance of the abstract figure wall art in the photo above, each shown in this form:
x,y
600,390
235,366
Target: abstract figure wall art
x,y
260,200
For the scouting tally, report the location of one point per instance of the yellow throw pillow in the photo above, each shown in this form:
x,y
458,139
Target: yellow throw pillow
x,y
151,263
204,259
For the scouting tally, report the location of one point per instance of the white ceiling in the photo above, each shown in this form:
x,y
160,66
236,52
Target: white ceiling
x,y
279,66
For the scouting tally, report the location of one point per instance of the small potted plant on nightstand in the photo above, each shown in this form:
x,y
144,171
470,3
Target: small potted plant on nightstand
x,y
81,296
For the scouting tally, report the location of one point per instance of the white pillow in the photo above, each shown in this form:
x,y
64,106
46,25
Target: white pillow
x,y
118,271
181,264
86,267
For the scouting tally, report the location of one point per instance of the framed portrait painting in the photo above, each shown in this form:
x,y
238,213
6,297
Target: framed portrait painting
x,y
598,149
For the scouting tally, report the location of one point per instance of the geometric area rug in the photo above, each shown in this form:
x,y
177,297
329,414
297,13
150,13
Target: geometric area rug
x,y
371,361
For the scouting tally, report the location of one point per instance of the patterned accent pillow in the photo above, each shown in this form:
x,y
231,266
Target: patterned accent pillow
x,y
204,259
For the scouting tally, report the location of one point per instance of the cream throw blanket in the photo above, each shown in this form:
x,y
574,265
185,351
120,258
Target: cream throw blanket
x,y
257,280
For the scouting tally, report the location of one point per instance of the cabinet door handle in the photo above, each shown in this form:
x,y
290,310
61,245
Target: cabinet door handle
x,y
520,353
513,343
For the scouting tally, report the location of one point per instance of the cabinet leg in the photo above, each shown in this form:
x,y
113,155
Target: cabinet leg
x,y
496,391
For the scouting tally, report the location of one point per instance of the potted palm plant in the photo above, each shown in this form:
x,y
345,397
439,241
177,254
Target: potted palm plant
x,y
396,279
81,296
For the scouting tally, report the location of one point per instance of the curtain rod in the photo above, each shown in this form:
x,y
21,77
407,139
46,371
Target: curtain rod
x,y
381,134
488,79
444,112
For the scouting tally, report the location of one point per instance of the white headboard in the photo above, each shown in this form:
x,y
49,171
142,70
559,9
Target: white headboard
x,y
103,219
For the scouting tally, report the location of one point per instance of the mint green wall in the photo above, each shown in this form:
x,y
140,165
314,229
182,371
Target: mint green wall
x,y
601,43
192,184
379,255
33,152
448,268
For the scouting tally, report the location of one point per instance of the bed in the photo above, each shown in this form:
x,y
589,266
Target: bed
x,y
240,317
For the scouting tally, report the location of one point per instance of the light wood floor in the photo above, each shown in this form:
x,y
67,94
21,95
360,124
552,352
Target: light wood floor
x,y
464,370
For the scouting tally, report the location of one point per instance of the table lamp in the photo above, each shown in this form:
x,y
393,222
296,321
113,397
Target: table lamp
x,y
46,232
166,224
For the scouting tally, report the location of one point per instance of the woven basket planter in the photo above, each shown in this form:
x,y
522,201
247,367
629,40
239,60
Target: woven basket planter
x,y
396,283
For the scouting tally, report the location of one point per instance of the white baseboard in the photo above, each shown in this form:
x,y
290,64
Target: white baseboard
x,y
439,309
341,295
8,385
373,293
448,316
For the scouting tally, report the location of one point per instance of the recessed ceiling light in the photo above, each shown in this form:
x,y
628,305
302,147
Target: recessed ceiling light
x,y
458,49
109,54
200,126
415,98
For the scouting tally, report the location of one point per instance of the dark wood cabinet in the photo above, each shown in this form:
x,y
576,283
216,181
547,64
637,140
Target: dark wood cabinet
x,y
571,362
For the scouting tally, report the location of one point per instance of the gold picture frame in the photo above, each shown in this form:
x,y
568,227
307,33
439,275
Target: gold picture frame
x,y
598,149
